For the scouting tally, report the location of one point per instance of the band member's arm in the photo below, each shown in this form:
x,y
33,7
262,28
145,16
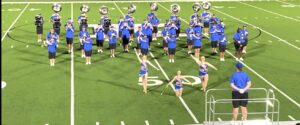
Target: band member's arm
x,y
196,60
170,83
186,80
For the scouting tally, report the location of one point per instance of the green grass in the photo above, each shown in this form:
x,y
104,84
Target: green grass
x,y
107,91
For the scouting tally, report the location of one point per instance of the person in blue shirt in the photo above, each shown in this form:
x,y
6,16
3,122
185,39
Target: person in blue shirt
x,y
120,25
143,74
203,71
176,20
138,43
214,19
214,38
70,36
52,45
171,40
197,39
155,22
189,42
99,32
125,36
82,21
82,35
52,35
206,18
240,83
144,44
147,29
222,46
245,32
130,21
55,19
164,40
112,40
179,83
239,41
88,46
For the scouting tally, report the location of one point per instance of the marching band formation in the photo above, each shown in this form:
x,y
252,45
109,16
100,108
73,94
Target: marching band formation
x,y
201,26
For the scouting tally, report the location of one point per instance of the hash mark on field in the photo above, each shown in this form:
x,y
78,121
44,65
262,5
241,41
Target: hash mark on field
x,y
292,118
298,41
270,41
256,41
147,122
122,123
171,122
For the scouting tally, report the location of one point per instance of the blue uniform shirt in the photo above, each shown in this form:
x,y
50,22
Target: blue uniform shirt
x,y
125,32
112,35
239,79
147,31
188,33
88,44
236,37
144,42
54,36
171,42
206,17
81,34
197,38
223,40
214,35
70,32
52,47
172,31
121,23
137,34
100,34
154,21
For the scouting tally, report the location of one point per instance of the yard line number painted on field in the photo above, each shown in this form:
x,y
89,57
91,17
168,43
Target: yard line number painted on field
x,y
154,81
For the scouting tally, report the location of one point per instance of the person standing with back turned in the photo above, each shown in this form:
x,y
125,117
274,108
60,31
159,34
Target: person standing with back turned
x,y
240,83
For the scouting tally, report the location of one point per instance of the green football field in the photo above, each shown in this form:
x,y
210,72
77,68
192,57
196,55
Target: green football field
x,y
107,92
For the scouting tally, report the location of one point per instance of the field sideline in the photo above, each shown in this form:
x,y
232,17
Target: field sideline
x,y
107,92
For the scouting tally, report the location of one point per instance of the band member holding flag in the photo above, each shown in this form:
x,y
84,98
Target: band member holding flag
x,y
203,71
143,74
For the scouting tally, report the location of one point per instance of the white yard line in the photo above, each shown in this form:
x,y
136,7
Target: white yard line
x,y
270,12
279,1
292,118
147,122
72,113
171,122
15,21
167,77
282,40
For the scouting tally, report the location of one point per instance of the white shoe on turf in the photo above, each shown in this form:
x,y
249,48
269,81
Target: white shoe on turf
x,y
241,59
98,51
173,61
86,63
236,59
170,60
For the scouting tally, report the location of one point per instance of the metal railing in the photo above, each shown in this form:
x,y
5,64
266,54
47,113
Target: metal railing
x,y
272,105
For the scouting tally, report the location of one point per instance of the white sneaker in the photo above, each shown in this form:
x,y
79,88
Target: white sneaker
x,y
90,63
86,63
111,56
82,56
236,59
241,59
223,59
130,43
158,43
170,60
98,51
101,51
173,60
244,51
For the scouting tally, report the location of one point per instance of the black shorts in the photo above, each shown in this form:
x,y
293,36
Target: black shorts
x,y
189,42
177,32
125,41
112,46
155,29
150,38
222,48
88,53
39,30
214,44
99,42
131,31
206,24
57,30
171,51
51,55
165,43
237,95
69,40
138,46
144,51
238,46
120,34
